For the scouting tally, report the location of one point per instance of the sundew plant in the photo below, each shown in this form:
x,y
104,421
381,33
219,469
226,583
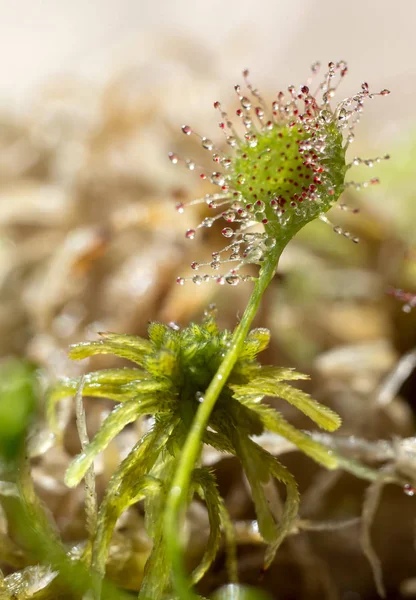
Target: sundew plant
x,y
286,167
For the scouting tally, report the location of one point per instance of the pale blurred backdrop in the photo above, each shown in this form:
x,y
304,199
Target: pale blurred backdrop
x,y
276,39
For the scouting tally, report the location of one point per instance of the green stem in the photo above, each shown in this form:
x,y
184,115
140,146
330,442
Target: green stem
x,y
178,494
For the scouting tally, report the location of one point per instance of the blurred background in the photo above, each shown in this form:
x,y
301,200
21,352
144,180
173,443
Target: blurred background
x,y
92,97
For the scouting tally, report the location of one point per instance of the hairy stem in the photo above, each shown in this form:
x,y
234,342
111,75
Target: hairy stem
x,y
179,492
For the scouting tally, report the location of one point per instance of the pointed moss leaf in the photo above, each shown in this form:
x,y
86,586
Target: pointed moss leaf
x,y
121,415
153,491
257,473
273,374
206,488
157,571
242,417
291,506
269,464
140,345
230,543
261,386
319,413
273,421
87,349
158,568
210,324
158,332
136,465
163,364
219,441
256,341
154,505
121,376
114,384
196,332
102,384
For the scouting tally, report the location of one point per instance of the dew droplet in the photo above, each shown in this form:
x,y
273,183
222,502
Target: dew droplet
x,y
326,116
229,216
180,280
270,242
195,266
233,279
207,222
180,207
245,103
197,279
207,144
186,129
227,232
315,67
409,490
190,234
174,158
342,115
221,280
254,254
218,178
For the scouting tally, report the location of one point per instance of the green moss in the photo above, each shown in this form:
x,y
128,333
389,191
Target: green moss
x,y
172,374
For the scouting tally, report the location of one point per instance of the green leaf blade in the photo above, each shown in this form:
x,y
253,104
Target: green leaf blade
x,y
121,415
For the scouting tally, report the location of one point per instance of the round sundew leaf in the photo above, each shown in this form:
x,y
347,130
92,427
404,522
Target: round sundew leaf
x,y
285,167
283,173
